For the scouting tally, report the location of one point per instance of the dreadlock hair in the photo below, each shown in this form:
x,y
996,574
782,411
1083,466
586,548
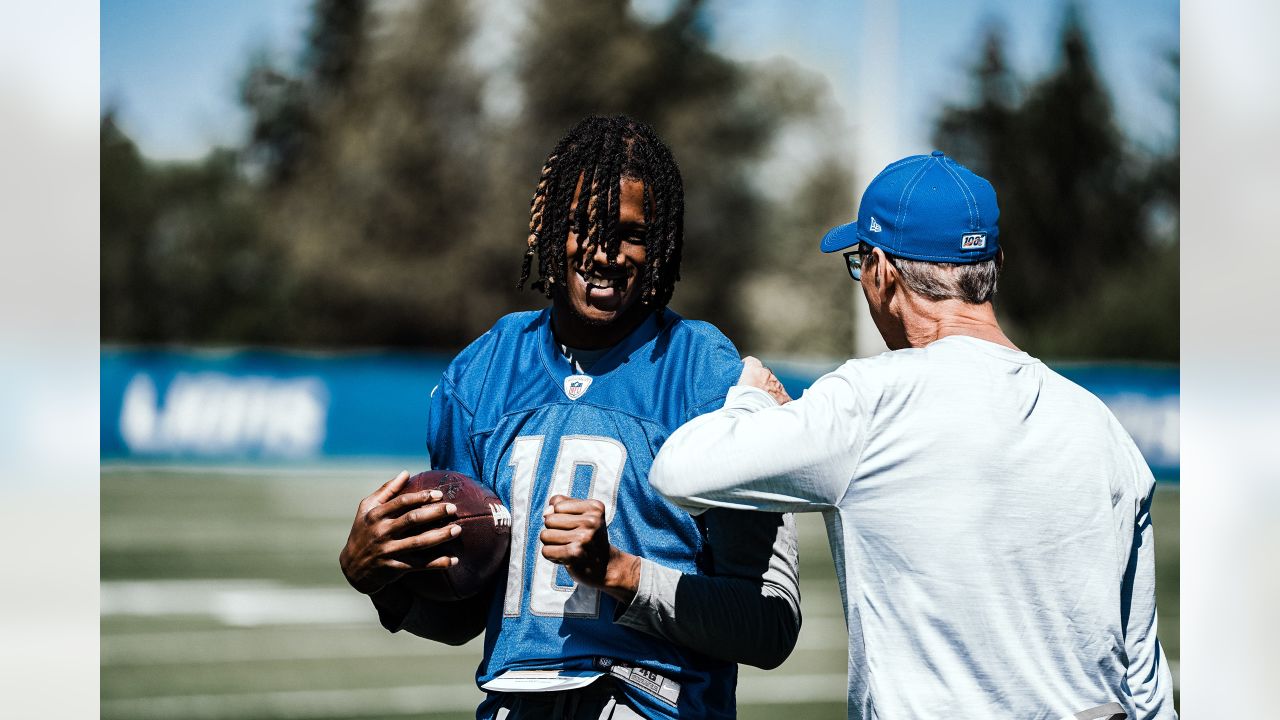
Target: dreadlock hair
x,y
602,151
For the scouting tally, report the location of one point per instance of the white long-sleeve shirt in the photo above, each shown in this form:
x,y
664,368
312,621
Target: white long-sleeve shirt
x,y
990,522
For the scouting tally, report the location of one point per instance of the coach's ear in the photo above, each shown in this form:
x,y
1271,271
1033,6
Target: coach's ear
x,y
884,273
999,259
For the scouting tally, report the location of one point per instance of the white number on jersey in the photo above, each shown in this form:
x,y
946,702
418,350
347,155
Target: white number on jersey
x,y
606,458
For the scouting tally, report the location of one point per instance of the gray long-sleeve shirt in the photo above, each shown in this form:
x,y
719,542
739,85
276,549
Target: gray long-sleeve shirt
x,y
990,522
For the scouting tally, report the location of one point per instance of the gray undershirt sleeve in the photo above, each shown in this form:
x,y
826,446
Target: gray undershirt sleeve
x,y
746,610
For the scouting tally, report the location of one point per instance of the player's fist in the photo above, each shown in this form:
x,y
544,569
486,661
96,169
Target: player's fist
x,y
755,374
388,524
576,536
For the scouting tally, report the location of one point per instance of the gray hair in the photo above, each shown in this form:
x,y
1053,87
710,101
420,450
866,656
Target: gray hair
x,y
974,283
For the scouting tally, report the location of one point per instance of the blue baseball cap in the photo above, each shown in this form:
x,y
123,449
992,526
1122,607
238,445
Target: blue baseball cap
x,y
925,207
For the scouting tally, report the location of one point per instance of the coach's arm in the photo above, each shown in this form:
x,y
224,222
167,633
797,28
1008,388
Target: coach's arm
x,y
1149,679
754,454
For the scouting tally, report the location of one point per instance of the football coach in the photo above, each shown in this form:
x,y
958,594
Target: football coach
x,y
990,520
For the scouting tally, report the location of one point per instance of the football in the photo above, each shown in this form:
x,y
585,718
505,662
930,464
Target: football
x,y
481,547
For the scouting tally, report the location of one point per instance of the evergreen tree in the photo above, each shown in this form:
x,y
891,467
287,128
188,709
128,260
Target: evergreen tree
x,y
1075,204
128,211
379,222
182,254
287,109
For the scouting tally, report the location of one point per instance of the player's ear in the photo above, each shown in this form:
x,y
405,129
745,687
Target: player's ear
x,y
999,259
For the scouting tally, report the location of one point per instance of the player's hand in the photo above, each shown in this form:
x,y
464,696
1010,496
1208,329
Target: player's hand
x,y
576,536
755,374
387,525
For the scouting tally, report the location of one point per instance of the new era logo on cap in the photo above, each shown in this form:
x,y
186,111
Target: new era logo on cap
x,y
875,226
973,241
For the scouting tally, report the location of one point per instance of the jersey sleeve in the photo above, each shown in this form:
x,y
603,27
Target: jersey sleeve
x,y
449,432
713,369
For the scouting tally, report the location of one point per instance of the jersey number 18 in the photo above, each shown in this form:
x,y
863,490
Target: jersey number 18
x,y
605,457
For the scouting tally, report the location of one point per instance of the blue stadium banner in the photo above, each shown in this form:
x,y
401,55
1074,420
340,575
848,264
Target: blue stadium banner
x,y
252,405
260,405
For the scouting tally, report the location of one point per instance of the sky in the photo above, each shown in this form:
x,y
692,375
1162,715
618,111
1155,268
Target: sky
x,y
170,69
936,42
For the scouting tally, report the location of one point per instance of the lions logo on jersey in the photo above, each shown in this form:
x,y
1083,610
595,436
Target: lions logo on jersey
x,y
575,386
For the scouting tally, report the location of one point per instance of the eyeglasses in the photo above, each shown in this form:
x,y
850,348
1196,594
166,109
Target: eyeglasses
x,y
853,259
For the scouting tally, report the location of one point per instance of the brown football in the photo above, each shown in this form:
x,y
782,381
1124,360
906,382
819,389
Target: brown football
x,y
481,547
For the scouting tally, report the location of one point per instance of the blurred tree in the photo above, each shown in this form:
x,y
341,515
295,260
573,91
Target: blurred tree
x,y
797,300
182,256
388,182
1134,312
127,216
335,44
379,218
403,215
1076,203
973,131
286,110
1162,180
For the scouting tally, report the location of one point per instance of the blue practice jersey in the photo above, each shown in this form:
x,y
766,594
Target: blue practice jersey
x,y
512,413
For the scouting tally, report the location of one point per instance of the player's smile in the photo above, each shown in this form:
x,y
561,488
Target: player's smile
x,y
601,290
605,285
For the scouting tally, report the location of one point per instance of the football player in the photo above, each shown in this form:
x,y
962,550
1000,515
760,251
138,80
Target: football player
x,y
615,603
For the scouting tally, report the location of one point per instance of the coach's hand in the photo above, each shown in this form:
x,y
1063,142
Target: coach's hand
x,y
755,374
576,536
385,525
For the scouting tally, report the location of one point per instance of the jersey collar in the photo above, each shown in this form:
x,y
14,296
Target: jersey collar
x,y
558,365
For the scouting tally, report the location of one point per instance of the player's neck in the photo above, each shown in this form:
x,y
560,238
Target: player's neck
x,y
573,331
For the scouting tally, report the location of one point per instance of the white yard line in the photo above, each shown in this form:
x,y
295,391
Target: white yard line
x,y
244,603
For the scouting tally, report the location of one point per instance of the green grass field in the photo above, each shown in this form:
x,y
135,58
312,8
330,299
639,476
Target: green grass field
x,y
221,598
